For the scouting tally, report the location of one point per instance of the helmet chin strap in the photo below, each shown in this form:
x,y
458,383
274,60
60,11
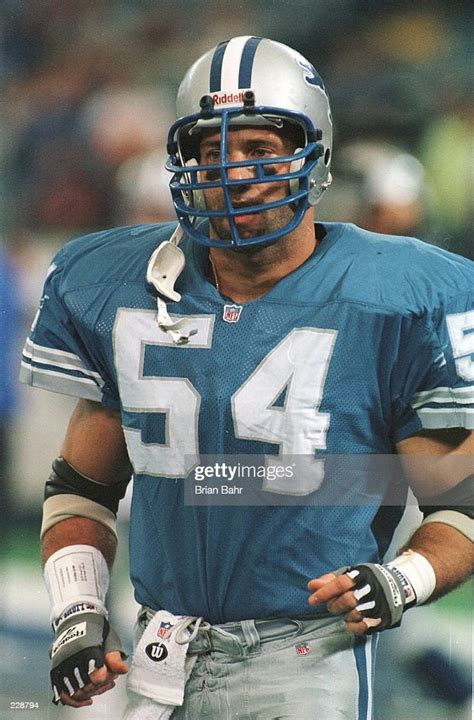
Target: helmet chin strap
x,y
164,267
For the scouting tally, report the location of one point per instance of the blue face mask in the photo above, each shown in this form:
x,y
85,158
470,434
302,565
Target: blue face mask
x,y
190,179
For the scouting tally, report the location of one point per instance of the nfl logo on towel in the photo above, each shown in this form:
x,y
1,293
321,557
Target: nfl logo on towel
x,y
164,631
231,313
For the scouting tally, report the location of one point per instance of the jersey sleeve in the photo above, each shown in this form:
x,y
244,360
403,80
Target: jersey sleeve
x,y
55,356
434,383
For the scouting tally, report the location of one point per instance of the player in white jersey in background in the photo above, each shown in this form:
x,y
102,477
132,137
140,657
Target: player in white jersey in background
x,y
248,330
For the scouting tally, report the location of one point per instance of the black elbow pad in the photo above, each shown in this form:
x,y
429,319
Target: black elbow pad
x,y
65,480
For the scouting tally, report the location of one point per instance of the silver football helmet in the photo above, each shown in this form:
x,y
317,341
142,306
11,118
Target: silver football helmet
x,y
249,81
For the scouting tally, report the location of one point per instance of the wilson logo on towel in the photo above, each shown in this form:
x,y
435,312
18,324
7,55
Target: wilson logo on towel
x,y
156,652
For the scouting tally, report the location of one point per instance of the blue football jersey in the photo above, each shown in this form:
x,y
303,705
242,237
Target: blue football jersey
x,y
365,344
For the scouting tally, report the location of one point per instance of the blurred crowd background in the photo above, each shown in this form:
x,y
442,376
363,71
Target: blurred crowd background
x,y
88,91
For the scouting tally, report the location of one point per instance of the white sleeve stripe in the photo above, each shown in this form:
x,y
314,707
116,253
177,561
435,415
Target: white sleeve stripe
x,y
57,358
435,419
53,351
60,383
443,400
444,390
66,366
75,378
443,395
50,351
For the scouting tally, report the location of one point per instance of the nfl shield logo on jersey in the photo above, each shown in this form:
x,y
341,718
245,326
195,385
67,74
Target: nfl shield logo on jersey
x,y
231,313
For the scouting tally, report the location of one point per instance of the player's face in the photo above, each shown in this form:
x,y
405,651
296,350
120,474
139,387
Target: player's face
x,y
247,144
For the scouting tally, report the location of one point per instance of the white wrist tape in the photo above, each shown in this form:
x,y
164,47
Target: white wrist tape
x,y
419,573
76,574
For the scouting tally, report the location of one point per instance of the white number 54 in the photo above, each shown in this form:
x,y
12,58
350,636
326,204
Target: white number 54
x,y
279,403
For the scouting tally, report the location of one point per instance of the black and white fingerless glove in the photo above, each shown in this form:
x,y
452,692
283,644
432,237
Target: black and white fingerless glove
x,y
82,637
77,579
384,592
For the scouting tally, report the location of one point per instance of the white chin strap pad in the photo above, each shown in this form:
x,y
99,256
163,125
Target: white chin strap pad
x,y
164,268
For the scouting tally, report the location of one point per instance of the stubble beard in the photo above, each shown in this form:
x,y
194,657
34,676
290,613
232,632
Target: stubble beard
x,y
271,220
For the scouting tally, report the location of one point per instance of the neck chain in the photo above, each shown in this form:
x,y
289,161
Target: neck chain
x,y
214,277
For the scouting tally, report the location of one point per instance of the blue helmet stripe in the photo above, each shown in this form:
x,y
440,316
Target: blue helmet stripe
x,y
215,78
246,63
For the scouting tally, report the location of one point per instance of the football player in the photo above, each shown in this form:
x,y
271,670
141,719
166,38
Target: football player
x,y
247,330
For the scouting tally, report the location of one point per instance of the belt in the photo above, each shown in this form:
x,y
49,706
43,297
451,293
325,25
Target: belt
x,y
245,635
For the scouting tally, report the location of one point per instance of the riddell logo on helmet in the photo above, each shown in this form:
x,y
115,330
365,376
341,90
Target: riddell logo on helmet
x,y
228,98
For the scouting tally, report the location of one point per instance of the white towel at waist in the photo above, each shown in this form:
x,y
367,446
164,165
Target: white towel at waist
x,y
160,666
